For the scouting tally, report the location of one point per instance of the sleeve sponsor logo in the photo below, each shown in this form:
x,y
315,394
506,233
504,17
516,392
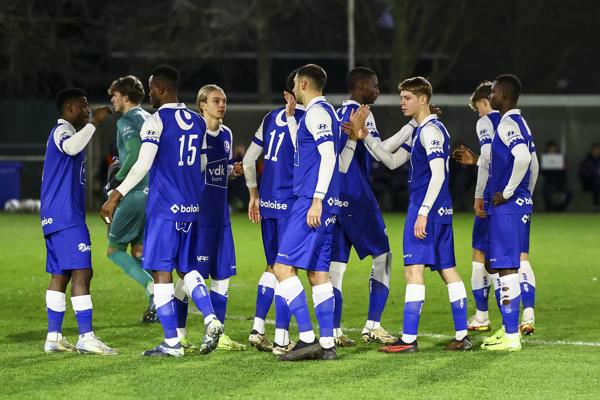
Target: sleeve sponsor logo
x,y
151,135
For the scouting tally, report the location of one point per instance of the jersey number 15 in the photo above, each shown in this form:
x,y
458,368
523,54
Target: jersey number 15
x,y
191,150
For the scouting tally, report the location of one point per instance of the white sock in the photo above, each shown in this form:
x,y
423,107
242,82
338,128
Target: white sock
x,y
307,337
336,272
372,324
480,278
172,341
408,338
282,337
259,325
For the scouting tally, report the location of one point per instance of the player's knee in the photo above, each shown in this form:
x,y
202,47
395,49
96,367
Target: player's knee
x,y
478,256
317,277
450,275
413,274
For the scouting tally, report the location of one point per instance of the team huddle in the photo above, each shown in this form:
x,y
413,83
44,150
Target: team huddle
x,y
167,201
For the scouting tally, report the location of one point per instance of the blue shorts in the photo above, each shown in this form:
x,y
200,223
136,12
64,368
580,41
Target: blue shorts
x,y
215,252
481,234
509,237
272,232
436,251
68,249
365,231
302,246
169,245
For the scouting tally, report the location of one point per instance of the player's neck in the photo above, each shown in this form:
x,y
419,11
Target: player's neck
x,y
309,96
212,124
357,98
423,113
504,108
169,100
128,106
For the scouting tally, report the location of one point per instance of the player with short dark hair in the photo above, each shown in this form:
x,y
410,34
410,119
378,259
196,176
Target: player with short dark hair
x,y
62,214
271,205
360,223
171,145
306,242
509,187
127,226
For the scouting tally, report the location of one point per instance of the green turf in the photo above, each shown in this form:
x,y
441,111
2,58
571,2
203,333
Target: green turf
x,y
565,257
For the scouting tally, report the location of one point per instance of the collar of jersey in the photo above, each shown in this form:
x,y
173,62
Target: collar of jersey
x,y
215,133
492,112
350,101
64,122
300,107
133,108
514,111
313,101
172,105
430,117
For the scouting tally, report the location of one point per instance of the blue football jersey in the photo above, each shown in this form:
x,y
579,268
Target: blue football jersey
x,y
63,183
514,130
420,172
214,208
175,179
307,158
355,187
276,189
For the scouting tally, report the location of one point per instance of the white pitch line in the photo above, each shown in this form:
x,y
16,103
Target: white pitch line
x,y
439,336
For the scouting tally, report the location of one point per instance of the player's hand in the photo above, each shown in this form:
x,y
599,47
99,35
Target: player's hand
x,y
112,184
498,199
358,119
435,110
313,217
479,208
420,225
290,104
346,127
254,209
238,169
465,156
108,208
100,114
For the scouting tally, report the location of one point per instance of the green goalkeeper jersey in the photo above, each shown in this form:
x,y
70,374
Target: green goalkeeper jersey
x,y
129,142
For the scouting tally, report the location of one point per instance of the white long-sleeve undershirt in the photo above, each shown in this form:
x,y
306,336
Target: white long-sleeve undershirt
x,y
77,141
326,168
249,163
483,170
521,164
390,152
437,166
535,170
141,167
347,155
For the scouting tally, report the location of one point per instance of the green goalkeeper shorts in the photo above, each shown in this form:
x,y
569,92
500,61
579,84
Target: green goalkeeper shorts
x,y
128,221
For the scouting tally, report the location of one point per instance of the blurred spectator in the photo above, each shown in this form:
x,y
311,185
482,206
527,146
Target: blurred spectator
x,y
238,192
555,188
589,174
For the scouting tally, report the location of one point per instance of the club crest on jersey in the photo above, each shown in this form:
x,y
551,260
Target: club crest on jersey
x,y
82,247
226,145
279,118
216,173
184,119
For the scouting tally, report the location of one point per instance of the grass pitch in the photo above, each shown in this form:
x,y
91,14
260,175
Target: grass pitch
x,y
562,360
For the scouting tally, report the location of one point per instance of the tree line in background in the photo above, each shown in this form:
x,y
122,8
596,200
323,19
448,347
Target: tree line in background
x,y
250,46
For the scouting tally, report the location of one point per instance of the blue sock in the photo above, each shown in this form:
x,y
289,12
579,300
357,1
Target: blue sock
x,y
282,314
55,320
413,304
458,302
337,310
181,308
167,314
219,303
295,297
82,305
194,284
480,284
378,295
510,302
324,302
56,305
527,280
481,298
265,294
